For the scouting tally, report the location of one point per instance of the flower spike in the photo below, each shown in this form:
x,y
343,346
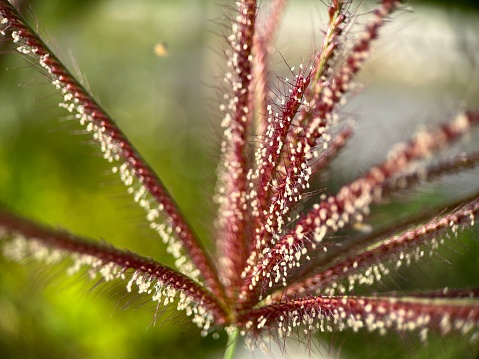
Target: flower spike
x,y
328,314
370,265
26,239
147,189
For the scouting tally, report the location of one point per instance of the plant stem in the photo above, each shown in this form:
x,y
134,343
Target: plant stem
x,y
232,342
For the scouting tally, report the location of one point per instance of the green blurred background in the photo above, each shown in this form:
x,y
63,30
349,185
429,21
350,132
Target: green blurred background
x,y
168,108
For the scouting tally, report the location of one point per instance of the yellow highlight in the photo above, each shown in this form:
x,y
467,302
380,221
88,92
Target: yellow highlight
x,y
161,49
